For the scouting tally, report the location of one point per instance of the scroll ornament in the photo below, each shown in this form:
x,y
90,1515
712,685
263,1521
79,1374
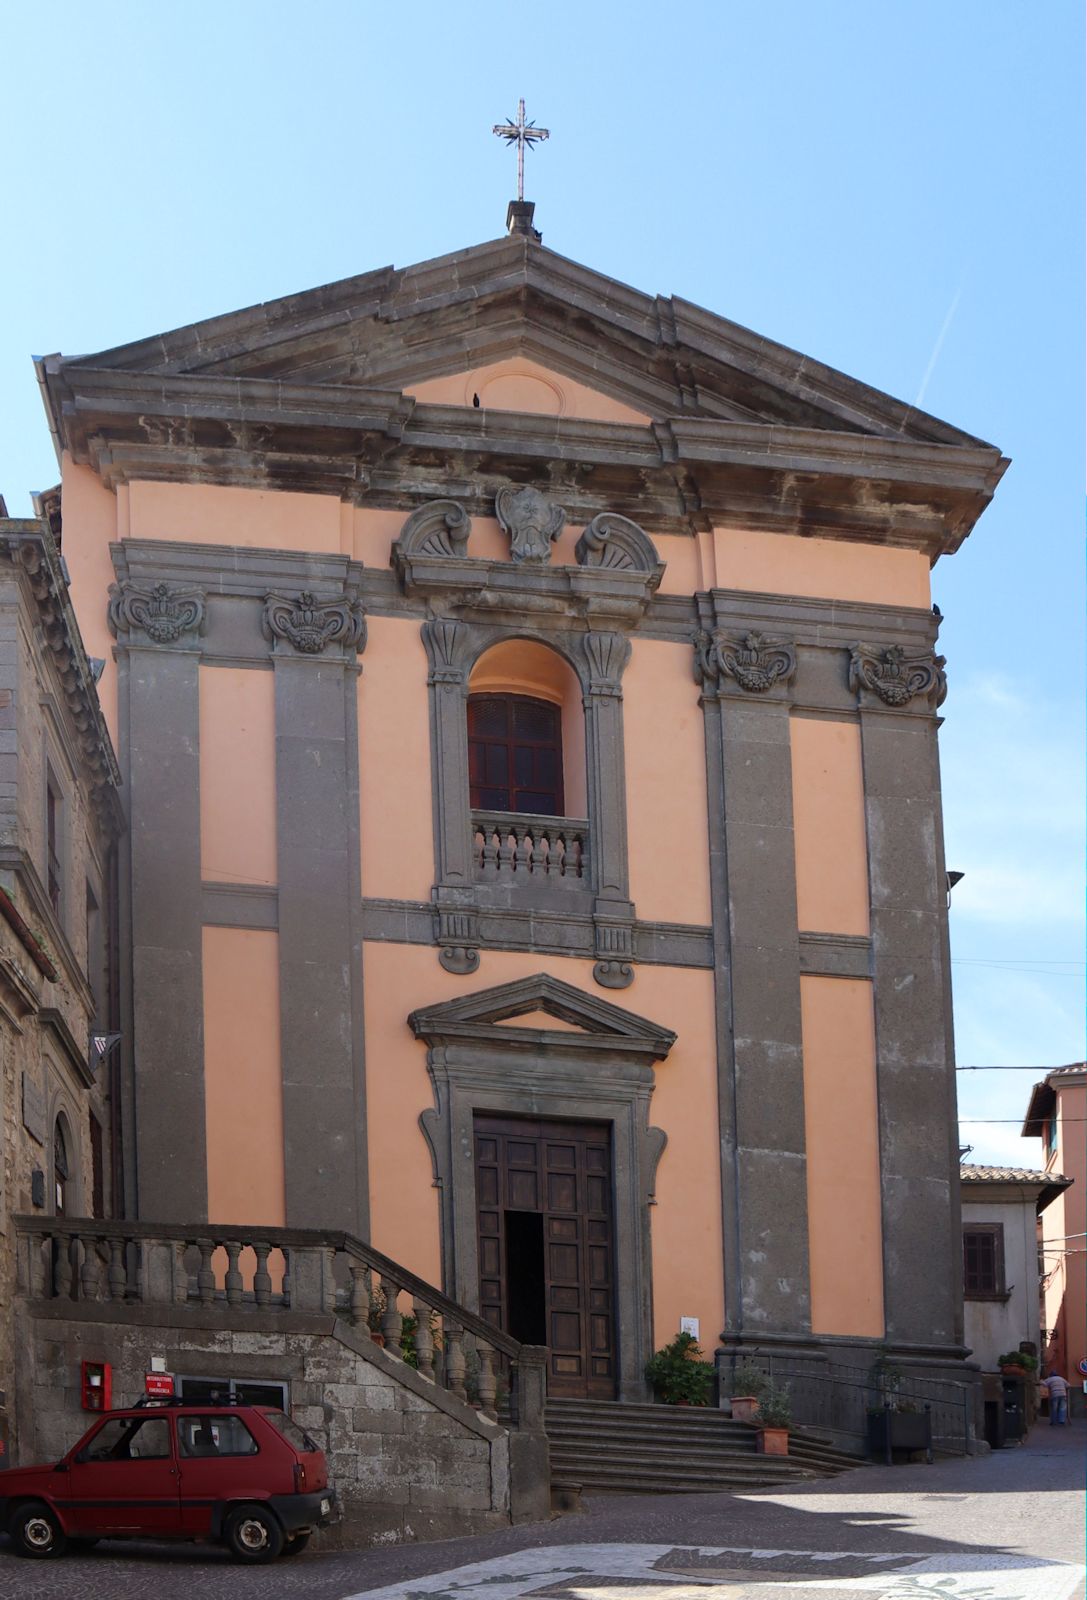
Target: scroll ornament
x,y
310,623
165,612
897,678
754,662
532,522
616,543
440,528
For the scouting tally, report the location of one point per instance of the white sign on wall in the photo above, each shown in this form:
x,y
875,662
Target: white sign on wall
x,y
689,1325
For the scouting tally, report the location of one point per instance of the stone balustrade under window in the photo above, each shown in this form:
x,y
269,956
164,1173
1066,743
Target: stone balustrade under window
x,y
517,848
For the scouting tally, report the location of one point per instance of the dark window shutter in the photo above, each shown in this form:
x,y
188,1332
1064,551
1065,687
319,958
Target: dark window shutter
x,y
515,754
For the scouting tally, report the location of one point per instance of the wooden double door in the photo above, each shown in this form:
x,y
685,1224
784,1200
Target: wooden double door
x,y
546,1244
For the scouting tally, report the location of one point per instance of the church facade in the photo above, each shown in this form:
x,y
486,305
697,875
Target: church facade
x,y
526,698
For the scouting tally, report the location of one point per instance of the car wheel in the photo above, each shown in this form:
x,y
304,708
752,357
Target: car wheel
x,y
295,1546
35,1532
253,1534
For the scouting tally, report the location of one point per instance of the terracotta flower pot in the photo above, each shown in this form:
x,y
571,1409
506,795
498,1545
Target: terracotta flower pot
x,y
378,1338
744,1407
773,1441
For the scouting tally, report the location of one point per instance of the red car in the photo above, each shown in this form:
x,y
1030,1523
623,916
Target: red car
x,y
245,1476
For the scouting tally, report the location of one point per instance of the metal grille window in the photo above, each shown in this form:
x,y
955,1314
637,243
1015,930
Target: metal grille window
x,y
232,1391
515,754
983,1261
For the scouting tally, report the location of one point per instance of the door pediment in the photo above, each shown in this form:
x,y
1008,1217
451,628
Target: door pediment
x,y
489,1016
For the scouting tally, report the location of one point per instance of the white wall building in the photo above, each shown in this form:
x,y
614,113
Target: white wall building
x,y
1000,1210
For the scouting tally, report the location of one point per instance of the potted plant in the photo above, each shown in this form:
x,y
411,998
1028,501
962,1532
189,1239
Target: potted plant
x,y
677,1373
1017,1363
772,1420
748,1384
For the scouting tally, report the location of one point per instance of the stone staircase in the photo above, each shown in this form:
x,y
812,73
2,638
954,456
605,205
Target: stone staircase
x,y
604,1446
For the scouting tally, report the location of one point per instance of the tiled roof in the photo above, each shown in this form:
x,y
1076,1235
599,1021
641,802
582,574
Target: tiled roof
x,y
975,1174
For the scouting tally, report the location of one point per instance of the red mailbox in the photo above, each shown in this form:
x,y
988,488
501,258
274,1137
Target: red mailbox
x,y
95,1385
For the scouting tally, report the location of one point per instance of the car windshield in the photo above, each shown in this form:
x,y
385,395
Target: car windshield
x,y
291,1432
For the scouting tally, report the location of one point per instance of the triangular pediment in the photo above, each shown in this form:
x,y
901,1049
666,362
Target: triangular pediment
x,y
512,300
511,1010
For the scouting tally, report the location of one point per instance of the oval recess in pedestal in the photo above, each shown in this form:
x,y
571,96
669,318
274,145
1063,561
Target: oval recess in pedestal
x,y
520,391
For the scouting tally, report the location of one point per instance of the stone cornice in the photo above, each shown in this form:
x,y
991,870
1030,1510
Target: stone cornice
x,y
379,447
32,552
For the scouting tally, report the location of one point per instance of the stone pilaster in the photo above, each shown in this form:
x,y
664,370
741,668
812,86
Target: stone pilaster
x,y
745,697
922,1251
320,949
158,631
606,656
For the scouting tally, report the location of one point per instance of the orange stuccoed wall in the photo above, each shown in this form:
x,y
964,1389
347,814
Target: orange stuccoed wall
x,y
686,1222
668,858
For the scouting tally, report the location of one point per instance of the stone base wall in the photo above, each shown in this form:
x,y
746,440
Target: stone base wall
x,y
408,1460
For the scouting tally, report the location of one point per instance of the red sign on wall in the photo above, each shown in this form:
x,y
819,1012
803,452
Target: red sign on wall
x,y
160,1385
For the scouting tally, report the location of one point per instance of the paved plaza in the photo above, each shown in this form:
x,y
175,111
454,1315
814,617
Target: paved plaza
x,y
1009,1526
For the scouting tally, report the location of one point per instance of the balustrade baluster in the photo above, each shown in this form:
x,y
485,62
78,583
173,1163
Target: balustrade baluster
x,y
392,1322
90,1276
454,1360
522,848
41,1277
539,855
505,852
424,1339
262,1278
488,1386
205,1277
233,1279
360,1296
181,1273
490,852
62,1268
116,1276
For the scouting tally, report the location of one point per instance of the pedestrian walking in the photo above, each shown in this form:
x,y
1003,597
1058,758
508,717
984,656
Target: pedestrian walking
x,y
1057,1389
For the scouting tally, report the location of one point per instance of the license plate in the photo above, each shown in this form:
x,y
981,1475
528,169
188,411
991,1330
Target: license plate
x,y
326,1507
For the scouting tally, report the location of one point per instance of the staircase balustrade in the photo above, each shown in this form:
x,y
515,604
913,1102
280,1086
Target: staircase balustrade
x,y
270,1272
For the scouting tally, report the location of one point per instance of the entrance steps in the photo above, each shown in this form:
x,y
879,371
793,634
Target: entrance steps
x,y
606,1446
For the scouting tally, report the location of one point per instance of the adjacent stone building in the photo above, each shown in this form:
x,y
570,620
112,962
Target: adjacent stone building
x,y
60,822
527,694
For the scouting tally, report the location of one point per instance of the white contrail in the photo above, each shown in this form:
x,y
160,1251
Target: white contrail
x,y
937,347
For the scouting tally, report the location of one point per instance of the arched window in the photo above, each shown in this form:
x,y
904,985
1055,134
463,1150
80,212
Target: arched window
x,y
61,1169
526,732
515,754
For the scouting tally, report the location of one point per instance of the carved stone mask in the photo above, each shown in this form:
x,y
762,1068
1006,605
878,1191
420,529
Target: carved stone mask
x,y
531,521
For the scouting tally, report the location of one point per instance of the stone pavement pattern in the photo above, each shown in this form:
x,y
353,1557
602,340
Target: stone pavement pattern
x,y
1006,1527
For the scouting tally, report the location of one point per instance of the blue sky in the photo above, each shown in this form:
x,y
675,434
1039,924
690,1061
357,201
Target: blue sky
x,y
893,188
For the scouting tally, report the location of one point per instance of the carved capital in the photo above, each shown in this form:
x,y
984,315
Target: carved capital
x,y
753,663
310,623
895,677
606,656
165,612
616,543
446,642
532,521
438,529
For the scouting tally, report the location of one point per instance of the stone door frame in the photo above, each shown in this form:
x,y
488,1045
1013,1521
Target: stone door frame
x,y
601,1073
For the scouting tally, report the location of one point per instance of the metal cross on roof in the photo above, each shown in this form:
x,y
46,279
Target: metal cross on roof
x,y
521,133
